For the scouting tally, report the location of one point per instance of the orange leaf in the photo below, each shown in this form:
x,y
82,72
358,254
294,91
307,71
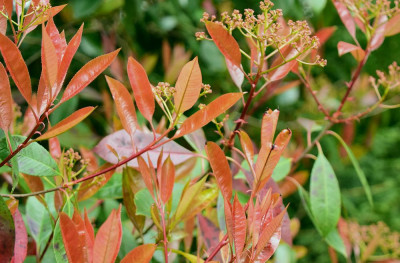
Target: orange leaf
x,y
90,187
283,67
66,124
167,180
16,66
141,88
208,113
89,230
49,60
87,74
6,111
74,245
392,26
239,226
188,86
68,55
58,41
140,254
228,220
268,232
221,170
146,174
344,48
247,146
84,236
225,43
124,104
108,239
268,127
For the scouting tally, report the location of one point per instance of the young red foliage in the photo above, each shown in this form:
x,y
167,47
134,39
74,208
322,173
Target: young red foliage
x,y
167,180
207,114
124,104
239,226
50,61
188,86
247,146
346,17
21,238
141,88
6,112
140,254
108,239
66,123
221,170
74,245
16,66
344,48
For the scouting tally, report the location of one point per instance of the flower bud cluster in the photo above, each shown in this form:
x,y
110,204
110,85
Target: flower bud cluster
x,y
164,90
390,80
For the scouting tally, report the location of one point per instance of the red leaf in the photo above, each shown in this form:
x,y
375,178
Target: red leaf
x,y
392,26
346,17
239,226
209,233
285,67
268,127
324,34
90,187
228,220
379,35
16,66
247,146
208,113
49,61
124,104
74,245
58,41
236,73
188,86
167,180
108,239
225,43
6,111
66,123
8,6
21,238
220,167
3,24
140,254
146,175
67,58
141,88
54,148
84,236
87,74
89,230
357,52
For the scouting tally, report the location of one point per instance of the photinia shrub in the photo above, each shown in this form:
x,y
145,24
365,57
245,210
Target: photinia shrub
x,y
180,195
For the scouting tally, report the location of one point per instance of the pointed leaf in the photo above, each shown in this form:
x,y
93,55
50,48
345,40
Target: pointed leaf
x,y
346,17
283,66
239,226
141,88
21,238
225,43
146,175
392,26
58,41
49,59
379,34
167,180
268,127
7,233
188,86
357,52
324,195
124,104
140,254
208,113
67,123
87,74
6,111
108,239
16,66
221,170
74,245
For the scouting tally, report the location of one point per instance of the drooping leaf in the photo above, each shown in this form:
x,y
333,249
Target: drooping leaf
x,y
7,233
66,123
359,171
188,86
6,112
324,195
50,61
131,184
16,66
108,239
74,244
346,17
344,48
124,104
221,170
208,113
21,238
239,226
141,88
225,43
121,142
392,26
140,254
87,74
33,159
167,180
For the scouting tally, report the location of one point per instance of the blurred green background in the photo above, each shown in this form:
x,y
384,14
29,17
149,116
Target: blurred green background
x,y
144,29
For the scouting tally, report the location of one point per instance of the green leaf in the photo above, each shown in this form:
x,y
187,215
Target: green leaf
x,y
32,160
112,189
14,164
143,201
357,167
39,222
191,258
324,195
58,244
335,241
282,169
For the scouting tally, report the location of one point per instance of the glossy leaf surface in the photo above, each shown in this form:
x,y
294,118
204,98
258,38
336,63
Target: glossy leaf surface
x,y
74,244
